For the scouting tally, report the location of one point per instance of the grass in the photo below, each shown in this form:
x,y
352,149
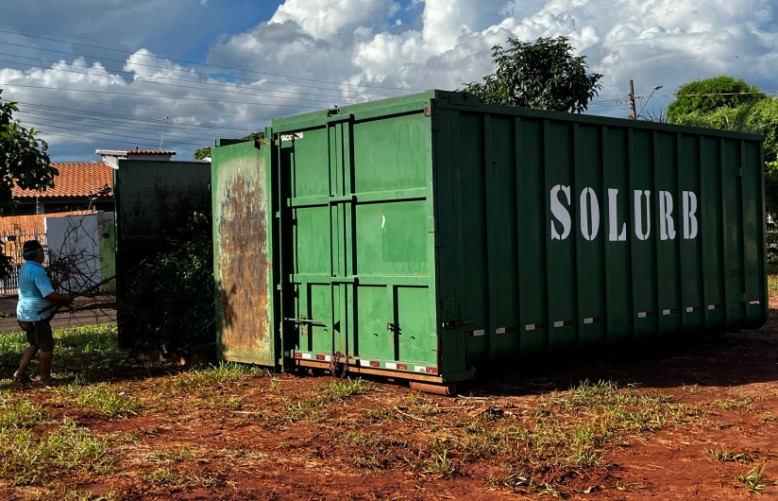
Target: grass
x,y
772,284
35,458
754,479
528,444
105,400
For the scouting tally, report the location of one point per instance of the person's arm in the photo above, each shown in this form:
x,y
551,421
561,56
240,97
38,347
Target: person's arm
x,y
60,299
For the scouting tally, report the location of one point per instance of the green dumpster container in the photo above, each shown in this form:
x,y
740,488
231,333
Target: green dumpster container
x,y
432,237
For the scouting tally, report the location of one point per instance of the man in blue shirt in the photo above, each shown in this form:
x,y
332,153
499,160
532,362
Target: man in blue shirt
x,y
35,310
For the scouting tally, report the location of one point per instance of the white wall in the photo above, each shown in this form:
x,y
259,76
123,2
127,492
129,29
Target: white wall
x,y
75,241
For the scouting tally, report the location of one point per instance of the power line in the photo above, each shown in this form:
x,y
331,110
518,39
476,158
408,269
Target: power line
x,y
186,61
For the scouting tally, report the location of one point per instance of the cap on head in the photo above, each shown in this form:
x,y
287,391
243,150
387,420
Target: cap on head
x,y
31,248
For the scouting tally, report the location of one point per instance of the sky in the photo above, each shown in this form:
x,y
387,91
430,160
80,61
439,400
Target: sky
x,y
119,74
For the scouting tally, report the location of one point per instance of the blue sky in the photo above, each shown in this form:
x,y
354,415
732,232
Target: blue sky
x,y
105,74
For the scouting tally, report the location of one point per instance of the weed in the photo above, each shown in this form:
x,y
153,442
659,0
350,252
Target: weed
x,y
344,388
727,456
729,404
101,398
21,414
202,382
441,465
30,458
754,479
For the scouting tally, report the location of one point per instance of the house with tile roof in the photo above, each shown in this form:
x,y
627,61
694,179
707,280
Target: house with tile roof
x,y
79,186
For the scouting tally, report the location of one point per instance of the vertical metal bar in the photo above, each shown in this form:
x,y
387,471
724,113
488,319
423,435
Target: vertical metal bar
x,y
517,231
282,276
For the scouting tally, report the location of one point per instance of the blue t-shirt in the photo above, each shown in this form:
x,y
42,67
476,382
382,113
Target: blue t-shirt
x,y
34,286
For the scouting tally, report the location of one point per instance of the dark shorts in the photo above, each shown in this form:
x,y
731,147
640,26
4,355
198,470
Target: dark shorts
x,y
39,334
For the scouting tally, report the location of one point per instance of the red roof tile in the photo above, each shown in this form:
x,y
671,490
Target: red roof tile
x,y
75,179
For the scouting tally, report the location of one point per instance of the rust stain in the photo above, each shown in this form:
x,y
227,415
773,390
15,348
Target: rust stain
x,y
244,268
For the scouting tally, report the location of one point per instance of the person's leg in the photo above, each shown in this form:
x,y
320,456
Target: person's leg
x,y
45,365
45,342
27,357
29,353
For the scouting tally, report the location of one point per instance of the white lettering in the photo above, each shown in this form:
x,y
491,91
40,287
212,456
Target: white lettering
x,y
560,212
689,215
639,215
666,223
590,209
613,218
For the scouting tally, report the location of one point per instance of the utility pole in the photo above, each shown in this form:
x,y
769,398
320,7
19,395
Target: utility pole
x,y
633,114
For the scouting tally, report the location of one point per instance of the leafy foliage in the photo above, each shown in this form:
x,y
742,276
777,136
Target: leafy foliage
x,y
23,162
543,75
711,94
172,294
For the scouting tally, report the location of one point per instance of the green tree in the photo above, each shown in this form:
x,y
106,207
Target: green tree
x,y
709,95
732,104
543,75
205,151
23,163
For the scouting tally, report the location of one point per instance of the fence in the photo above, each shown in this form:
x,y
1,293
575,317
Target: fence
x,y
14,231
13,239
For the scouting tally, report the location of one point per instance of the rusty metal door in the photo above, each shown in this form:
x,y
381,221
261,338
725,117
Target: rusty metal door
x,y
242,254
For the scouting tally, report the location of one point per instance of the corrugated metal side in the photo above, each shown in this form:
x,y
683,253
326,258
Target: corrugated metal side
x,y
563,232
243,254
152,199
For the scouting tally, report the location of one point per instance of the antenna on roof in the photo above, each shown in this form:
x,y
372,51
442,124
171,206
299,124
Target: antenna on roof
x,y
163,131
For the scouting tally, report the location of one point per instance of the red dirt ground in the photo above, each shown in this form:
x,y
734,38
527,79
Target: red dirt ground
x,y
248,451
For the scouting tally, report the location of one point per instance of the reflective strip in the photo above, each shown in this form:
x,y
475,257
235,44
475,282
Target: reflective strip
x,y
298,354
645,314
532,327
504,330
670,311
591,320
714,306
364,363
692,309
420,368
755,301
476,333
306,356
563,323
325,358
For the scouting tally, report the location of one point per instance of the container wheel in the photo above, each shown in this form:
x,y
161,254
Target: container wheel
x,y
445,389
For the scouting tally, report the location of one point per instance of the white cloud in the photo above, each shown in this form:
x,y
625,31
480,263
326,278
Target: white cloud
x,y
315,53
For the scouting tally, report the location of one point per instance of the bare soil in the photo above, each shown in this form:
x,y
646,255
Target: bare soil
x,y
243,440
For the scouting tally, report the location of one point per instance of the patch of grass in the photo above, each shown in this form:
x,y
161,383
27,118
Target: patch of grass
x,y
201,382
727,456
171,456
105,400
344,388
171,477
730,404
19,414
754,479
772,284
33,459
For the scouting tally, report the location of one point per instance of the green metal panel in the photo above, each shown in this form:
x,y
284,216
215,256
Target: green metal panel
x,y
153,199
242,244
361,251
431,235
